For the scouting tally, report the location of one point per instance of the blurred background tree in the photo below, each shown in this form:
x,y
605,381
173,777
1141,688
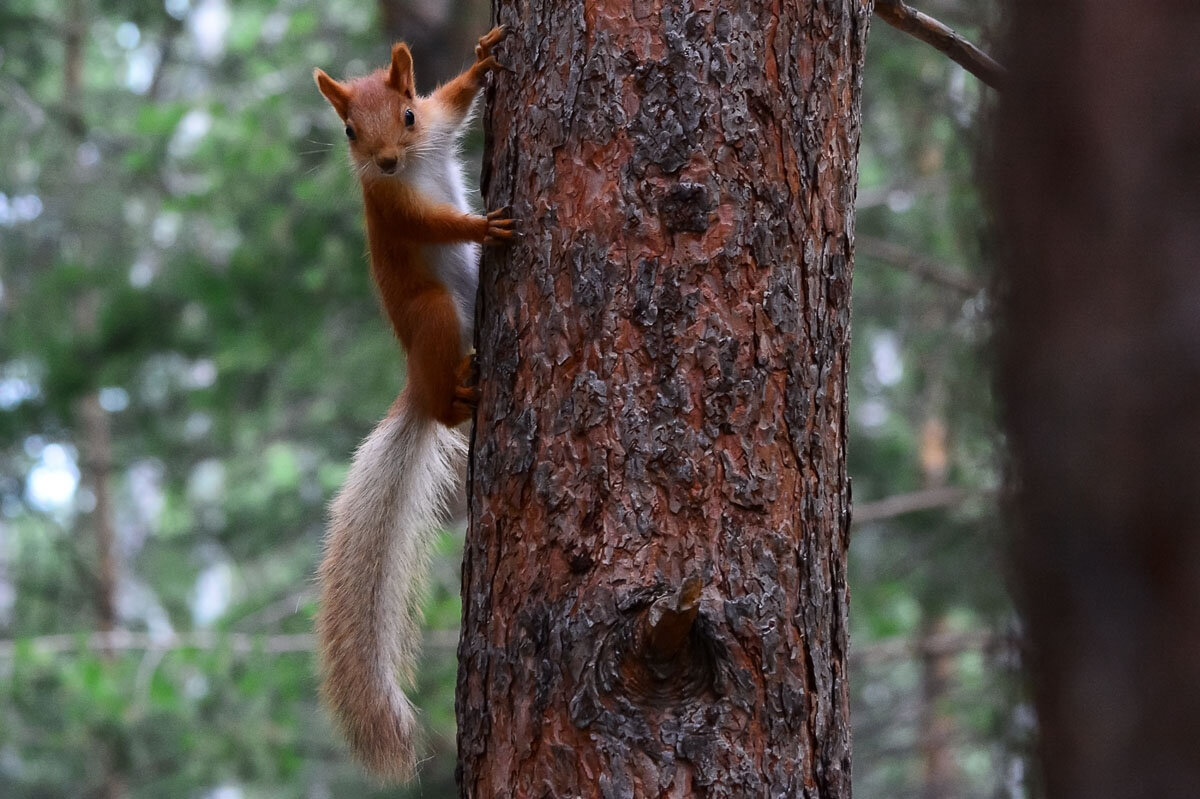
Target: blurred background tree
x,y
189,352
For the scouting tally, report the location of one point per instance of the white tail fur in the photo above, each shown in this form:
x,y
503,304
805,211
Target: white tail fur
x,y
376,558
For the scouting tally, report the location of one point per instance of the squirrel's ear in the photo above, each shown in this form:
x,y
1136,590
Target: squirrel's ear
x,y
400,76
336,93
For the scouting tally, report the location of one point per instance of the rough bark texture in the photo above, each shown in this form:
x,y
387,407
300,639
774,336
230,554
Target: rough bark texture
x,y
663,361
1099,177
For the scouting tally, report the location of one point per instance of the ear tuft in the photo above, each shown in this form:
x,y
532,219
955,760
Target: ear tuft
x,y
400,76
338,94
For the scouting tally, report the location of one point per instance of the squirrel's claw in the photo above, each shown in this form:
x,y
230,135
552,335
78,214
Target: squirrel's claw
x,y
491,38
489,64
468,371
501,227
467,396
483,51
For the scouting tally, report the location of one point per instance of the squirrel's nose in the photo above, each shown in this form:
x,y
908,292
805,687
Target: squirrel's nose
x,y
387,164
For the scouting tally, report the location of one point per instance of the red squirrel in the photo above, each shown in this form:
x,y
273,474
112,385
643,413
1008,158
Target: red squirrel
x,y
423,245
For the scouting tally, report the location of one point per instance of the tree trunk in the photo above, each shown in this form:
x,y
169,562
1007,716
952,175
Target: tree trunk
x,y
937,728
96,448
654,595
1099,195
441,33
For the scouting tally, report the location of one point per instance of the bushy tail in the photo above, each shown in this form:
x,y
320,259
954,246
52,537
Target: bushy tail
x,y
376,558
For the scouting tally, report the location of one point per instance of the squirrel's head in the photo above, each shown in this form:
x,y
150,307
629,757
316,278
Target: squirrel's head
x,y
382,115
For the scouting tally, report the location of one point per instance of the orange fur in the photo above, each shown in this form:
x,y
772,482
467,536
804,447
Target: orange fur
x,y
393,497
399,219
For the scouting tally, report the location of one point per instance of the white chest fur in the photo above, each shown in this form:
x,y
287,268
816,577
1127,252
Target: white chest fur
x,y
437,175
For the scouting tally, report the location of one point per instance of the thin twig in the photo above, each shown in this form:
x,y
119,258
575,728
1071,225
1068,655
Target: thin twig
x,y
277,611
21,98
902,504
441,641
876,196
126,641
939,644
924,27
915,263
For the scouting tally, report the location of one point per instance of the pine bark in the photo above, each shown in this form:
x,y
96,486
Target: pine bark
x,y
654,582
1099,199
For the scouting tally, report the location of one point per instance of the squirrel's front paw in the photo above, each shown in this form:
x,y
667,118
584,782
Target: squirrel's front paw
x,y
500,227
484,59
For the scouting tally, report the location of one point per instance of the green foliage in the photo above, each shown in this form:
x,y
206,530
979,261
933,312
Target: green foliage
x,y
920,383
184,240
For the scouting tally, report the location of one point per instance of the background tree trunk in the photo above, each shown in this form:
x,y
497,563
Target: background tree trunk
x,y
663,424
441,33
1099,179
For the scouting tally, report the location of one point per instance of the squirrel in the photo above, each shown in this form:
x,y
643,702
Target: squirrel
x,y
423,246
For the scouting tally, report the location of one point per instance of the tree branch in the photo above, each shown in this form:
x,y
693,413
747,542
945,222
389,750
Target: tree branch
x,y
932,185
37,115
126,641
277,611
915,263
924,27
939,644
238,643
902,504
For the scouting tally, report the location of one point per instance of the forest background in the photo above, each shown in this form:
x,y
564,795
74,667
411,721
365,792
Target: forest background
x,y
190,350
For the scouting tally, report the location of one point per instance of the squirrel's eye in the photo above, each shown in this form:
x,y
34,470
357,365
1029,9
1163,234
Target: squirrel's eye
x,y
350,133
409,118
